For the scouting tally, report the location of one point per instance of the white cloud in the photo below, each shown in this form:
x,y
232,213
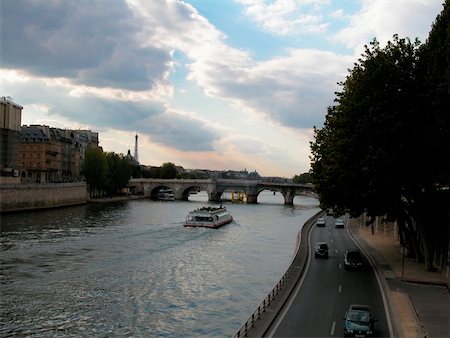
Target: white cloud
x,y
284,17
382,19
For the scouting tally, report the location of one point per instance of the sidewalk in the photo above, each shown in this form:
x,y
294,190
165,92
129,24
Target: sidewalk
x,y
419,301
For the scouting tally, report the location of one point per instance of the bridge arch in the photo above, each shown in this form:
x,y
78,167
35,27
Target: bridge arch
x,y
216,187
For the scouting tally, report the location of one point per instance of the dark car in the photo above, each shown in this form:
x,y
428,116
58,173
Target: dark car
x,y
321,250
359,321
352,259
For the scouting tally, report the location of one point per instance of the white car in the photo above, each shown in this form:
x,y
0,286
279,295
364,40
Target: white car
x,y
320,222
339,223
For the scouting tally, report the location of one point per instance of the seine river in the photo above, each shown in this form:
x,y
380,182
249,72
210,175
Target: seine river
x,y
130,269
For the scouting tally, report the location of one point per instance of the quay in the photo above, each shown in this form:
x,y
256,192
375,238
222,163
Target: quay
x,y
417,301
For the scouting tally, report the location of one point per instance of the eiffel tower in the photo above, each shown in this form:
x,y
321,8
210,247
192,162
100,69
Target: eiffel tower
x,y
136,148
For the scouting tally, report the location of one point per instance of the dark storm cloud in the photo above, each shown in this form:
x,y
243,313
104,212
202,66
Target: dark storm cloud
x,y
91,42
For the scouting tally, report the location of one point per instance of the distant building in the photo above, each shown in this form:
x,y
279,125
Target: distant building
x,y
53,154
10,121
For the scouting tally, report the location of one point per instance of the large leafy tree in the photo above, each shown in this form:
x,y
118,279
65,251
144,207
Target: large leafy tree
x,y
105,172
168,170
95,170
119,172
373,153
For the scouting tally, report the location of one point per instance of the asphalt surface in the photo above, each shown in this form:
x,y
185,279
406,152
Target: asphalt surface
x,y
326,291
414,302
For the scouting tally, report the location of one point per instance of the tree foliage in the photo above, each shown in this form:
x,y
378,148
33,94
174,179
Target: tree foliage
x,y
302,178
95,170
105,172
168,170
119,171
383,149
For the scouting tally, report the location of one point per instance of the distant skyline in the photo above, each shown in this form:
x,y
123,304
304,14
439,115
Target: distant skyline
x,y
212,85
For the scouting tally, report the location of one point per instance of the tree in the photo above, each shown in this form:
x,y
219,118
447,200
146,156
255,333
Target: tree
x,y
168,170
372,155
119,171
95,170
302,178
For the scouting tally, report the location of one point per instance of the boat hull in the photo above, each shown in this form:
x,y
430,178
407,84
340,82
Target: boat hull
x,y
213,225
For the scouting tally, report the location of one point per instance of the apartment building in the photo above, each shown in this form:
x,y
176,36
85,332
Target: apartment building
x,y
10,122
53,154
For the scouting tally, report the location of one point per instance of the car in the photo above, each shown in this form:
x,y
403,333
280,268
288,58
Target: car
x,y
339,223
330,212
320,222
321,250
352,259
359,321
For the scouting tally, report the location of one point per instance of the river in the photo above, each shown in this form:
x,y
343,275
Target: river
x,y
130,269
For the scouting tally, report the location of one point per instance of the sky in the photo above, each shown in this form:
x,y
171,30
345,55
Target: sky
x,y
206,84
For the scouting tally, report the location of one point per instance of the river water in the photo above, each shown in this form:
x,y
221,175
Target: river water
x,y
130,269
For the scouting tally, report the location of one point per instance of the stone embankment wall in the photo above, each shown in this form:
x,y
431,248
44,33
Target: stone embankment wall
x,y
18,197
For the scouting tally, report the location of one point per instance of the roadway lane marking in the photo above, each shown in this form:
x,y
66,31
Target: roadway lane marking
x,y
340,288
340,266
333,327
295,291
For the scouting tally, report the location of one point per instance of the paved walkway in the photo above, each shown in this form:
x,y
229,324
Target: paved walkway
x,y
419,301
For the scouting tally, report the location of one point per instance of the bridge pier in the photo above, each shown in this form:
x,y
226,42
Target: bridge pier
x,y
289,197
214,196
253,199
216,187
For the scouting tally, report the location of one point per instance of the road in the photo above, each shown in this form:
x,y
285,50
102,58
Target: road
x,y
327,289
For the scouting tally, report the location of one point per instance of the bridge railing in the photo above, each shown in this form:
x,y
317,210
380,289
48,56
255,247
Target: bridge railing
x,y
286,284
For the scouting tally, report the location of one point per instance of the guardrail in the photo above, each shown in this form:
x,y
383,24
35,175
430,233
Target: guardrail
x,y
288,281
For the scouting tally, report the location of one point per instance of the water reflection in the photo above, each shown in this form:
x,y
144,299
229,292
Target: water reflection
x,y
132,269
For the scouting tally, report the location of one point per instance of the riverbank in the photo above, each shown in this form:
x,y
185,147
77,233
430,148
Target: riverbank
x,y
115,198
22,197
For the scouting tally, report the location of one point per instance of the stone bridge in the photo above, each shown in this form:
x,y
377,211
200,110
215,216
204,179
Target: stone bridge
x,y
181,188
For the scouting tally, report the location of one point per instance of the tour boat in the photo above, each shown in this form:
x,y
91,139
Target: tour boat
x,y
208,217
166,195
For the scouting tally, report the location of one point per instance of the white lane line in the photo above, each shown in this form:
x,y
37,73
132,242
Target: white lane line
x,y
340,288
295,291
333,327
340,266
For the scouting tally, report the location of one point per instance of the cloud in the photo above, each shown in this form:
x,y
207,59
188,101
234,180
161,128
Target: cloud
x,y
90,42
382,19
293,90
281,17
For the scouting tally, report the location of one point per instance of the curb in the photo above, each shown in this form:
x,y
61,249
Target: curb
x,y
262,318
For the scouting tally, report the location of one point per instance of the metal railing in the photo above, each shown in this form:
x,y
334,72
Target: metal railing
x,y
256,315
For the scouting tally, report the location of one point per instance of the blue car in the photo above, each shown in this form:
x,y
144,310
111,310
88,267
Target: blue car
x,y
359,321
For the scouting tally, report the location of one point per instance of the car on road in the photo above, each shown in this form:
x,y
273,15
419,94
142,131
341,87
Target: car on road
x,y
321,250
352,259
320,222
359,321
339,223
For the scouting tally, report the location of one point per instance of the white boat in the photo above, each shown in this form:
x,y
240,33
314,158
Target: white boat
x,y
166,195
208,217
